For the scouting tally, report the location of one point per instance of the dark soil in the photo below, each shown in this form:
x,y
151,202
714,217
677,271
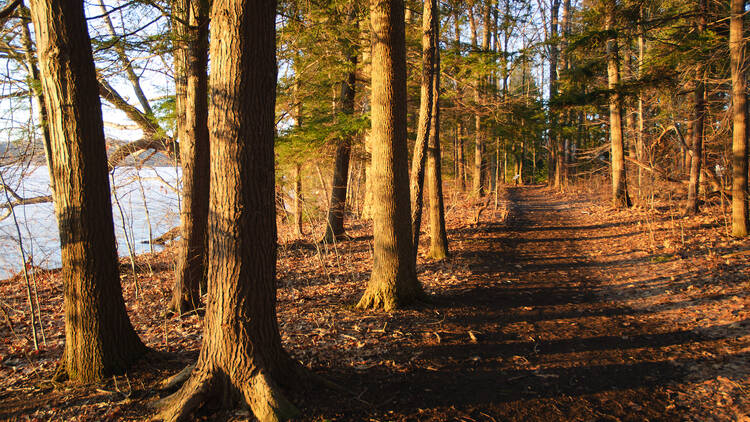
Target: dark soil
x,y
550,308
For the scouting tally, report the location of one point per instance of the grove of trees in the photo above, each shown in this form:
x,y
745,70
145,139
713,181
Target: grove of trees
x,y
316,112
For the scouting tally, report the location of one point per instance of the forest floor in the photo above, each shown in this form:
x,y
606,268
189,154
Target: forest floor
x,y
551,307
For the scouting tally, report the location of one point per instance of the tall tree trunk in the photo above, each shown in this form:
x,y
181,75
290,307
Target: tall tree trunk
x,y
620,197
393,281
554,141
461,161
241,358
739,121
33,69
99,338
696,148
438,235
337,209
477,182
640,150
191,82
429,14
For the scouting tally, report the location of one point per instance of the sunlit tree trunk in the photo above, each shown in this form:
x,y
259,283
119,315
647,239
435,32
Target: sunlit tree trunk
x,y
429,14
191,83
241,362
554,140
99,338
393,281
620,196
436,210
739,120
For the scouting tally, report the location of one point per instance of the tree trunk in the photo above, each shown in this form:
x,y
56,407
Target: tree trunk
x,y
33,69
739,121
337,209
461,158
394,280
429,14
438,236
620,196
191,83
99,338
696,148
241,358
298,200
477,181
554,141
461,161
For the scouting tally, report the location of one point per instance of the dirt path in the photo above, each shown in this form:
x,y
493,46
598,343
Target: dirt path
x,y
561,317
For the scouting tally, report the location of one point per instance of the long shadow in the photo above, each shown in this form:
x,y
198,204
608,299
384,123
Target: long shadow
x,y
504,368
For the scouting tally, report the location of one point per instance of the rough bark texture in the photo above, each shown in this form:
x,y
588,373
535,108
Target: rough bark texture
x,y
99,339
241,358
337,209
436,210
425,118
620,196
394,280
191,81
739,121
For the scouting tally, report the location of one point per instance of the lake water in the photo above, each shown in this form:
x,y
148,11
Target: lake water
x,y
39,233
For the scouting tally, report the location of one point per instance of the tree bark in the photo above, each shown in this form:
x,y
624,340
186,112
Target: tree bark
x,y
554,141
477,182
99,338
461,161
620,196
696,148
438,235
393,281
337,209
419,159
191,80
298,200
739,120
241,358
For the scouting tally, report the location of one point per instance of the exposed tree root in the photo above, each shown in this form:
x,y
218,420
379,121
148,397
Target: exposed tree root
x,y
260,393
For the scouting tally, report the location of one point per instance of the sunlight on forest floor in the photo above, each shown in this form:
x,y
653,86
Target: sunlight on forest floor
x,y
552,307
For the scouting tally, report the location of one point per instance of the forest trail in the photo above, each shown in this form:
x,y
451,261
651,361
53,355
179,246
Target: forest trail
x,y
564,317
552,308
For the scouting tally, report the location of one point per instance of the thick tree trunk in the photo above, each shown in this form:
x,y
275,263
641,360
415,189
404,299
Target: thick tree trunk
x,y
429,14
739,121
241,358
438,236
394,280
99,339
191,82
620,196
